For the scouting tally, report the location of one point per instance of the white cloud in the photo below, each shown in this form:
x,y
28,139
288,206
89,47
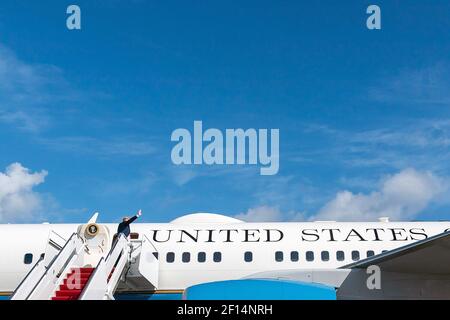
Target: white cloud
x,y
422,134
182,174
26,91
18,200
268,214
141,185
417,143
123,146
428,86
263,213
401,197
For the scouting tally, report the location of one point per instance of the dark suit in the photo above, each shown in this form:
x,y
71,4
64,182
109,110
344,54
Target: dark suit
x,y
124,227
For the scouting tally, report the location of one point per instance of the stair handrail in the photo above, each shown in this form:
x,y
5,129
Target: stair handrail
x,y
35,273
149,266
115,265
54,243
151,243
94,281
59,266
98,286
20,293
32,279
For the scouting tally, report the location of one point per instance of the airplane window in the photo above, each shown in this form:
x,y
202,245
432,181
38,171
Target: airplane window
x,y
28,258
42,255
383,251
170,257
201,257
186,257
156,255
248,256
370,253
355,255
340,255
279,256
325,255
294,256
217,256
309,256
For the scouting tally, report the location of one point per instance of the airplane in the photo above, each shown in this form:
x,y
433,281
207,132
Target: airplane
x,y
213,256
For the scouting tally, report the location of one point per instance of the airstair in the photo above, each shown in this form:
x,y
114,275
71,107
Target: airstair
x,y
89,267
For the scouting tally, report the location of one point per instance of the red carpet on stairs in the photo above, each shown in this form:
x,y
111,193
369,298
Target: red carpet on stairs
x,y
73,284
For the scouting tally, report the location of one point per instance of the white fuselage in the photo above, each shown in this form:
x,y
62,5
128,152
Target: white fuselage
x,y
204,252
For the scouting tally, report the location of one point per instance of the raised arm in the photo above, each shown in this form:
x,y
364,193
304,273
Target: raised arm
x,y
134,217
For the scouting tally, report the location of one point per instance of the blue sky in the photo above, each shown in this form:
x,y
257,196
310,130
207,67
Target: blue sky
x,y
363,115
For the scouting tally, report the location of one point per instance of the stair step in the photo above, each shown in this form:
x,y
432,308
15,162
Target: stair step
x,y
77,282
81,275
64,298
73,282
72,286
77,277
70,292
79,272
84,269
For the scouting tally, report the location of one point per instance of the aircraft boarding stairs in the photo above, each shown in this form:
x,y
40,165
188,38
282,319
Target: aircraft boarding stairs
x,y
87,267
